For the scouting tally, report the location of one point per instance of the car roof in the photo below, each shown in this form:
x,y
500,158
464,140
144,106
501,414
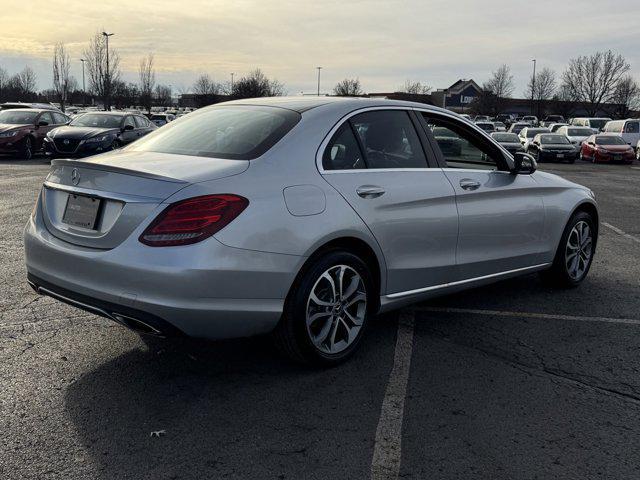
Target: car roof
x,y
303,104
31,110
122,114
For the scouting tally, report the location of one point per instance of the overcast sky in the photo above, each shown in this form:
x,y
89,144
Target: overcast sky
x,y
381,42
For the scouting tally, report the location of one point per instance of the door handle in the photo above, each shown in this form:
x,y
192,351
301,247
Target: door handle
x,y
370,191
468,184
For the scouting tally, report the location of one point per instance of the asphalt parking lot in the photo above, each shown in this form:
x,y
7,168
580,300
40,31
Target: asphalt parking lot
x,y
509,381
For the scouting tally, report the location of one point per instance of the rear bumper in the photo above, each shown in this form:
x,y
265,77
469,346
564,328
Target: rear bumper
x,y
204,290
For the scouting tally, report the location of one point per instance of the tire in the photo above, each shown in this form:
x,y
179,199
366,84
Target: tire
x,y
561,274
332,337
115,145
26,149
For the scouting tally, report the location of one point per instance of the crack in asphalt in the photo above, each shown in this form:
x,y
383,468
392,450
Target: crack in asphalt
x,y
543,371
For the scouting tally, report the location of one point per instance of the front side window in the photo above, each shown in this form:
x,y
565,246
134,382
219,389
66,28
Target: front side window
x,y
389,139
140,122
46,117
129,121
632,127
461,147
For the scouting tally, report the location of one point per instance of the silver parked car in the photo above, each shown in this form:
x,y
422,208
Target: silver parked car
x,y
302,217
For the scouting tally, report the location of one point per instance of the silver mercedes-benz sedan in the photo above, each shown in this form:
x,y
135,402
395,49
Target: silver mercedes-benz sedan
x,y
301,217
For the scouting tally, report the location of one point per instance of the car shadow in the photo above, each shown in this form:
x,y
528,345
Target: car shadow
x,y
196,409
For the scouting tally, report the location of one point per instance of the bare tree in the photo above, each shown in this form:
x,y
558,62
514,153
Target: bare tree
x,y
61,77
4,81
349,87
256,84
627,96
163,95
498,87
204,85
101,80
593,79
416,88
543,87
147,76
26,82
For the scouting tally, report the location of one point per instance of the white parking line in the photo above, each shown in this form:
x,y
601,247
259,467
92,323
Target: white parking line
x,y
542,316
387,451
620,232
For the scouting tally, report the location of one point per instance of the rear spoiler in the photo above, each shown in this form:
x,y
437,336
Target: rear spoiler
x,y
66,162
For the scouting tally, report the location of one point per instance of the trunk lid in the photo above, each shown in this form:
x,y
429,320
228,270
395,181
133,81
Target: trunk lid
x,y
128,186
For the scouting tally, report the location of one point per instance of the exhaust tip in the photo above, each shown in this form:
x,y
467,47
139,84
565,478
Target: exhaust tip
x,y
136,325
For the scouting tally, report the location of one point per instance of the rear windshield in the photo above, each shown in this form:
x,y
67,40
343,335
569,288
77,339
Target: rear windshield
x,y
579,132
99,120
532,132
230,132
553,139
598,123
610,140
506,137
17,117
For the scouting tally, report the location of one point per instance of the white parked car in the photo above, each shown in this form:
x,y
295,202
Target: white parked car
x,y
161,119
526,135
576,135
500,127
628,129
595,123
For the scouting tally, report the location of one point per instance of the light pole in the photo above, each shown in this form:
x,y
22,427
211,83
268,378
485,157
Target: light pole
x,y
533,84
319,68
107,96
84,90
232,74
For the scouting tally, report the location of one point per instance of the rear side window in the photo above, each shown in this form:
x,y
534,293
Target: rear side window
x,y
343,151
229,132
389,140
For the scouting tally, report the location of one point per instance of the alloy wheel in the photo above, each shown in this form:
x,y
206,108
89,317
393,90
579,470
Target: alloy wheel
x,y
579,250
336,309
27,148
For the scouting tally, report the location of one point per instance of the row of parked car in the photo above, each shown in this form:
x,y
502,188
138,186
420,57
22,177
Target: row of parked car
x,y
26,131
595,139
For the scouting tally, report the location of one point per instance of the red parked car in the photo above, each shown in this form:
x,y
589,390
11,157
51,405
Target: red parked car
x,y
606,148
22,130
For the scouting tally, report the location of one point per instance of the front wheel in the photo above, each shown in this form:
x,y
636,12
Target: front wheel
x,y
327,310
26,149
575,253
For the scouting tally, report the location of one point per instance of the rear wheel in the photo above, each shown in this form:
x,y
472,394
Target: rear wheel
x,y
26,149
575,253
327,311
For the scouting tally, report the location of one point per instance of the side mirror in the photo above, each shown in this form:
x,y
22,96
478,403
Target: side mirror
x,y
127,127
43,123
523,164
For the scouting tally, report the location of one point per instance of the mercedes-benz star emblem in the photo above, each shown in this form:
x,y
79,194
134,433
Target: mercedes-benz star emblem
x,y
75,176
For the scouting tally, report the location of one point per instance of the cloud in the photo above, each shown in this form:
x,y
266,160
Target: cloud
x,y
381,42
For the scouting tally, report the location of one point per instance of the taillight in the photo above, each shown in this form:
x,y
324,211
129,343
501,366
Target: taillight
x,y
192,220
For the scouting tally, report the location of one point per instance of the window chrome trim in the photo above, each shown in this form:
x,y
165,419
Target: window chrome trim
x,y
393,296
414,108
346,118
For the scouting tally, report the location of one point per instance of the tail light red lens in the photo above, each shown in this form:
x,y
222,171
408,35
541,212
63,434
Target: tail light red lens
x,y
193,220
